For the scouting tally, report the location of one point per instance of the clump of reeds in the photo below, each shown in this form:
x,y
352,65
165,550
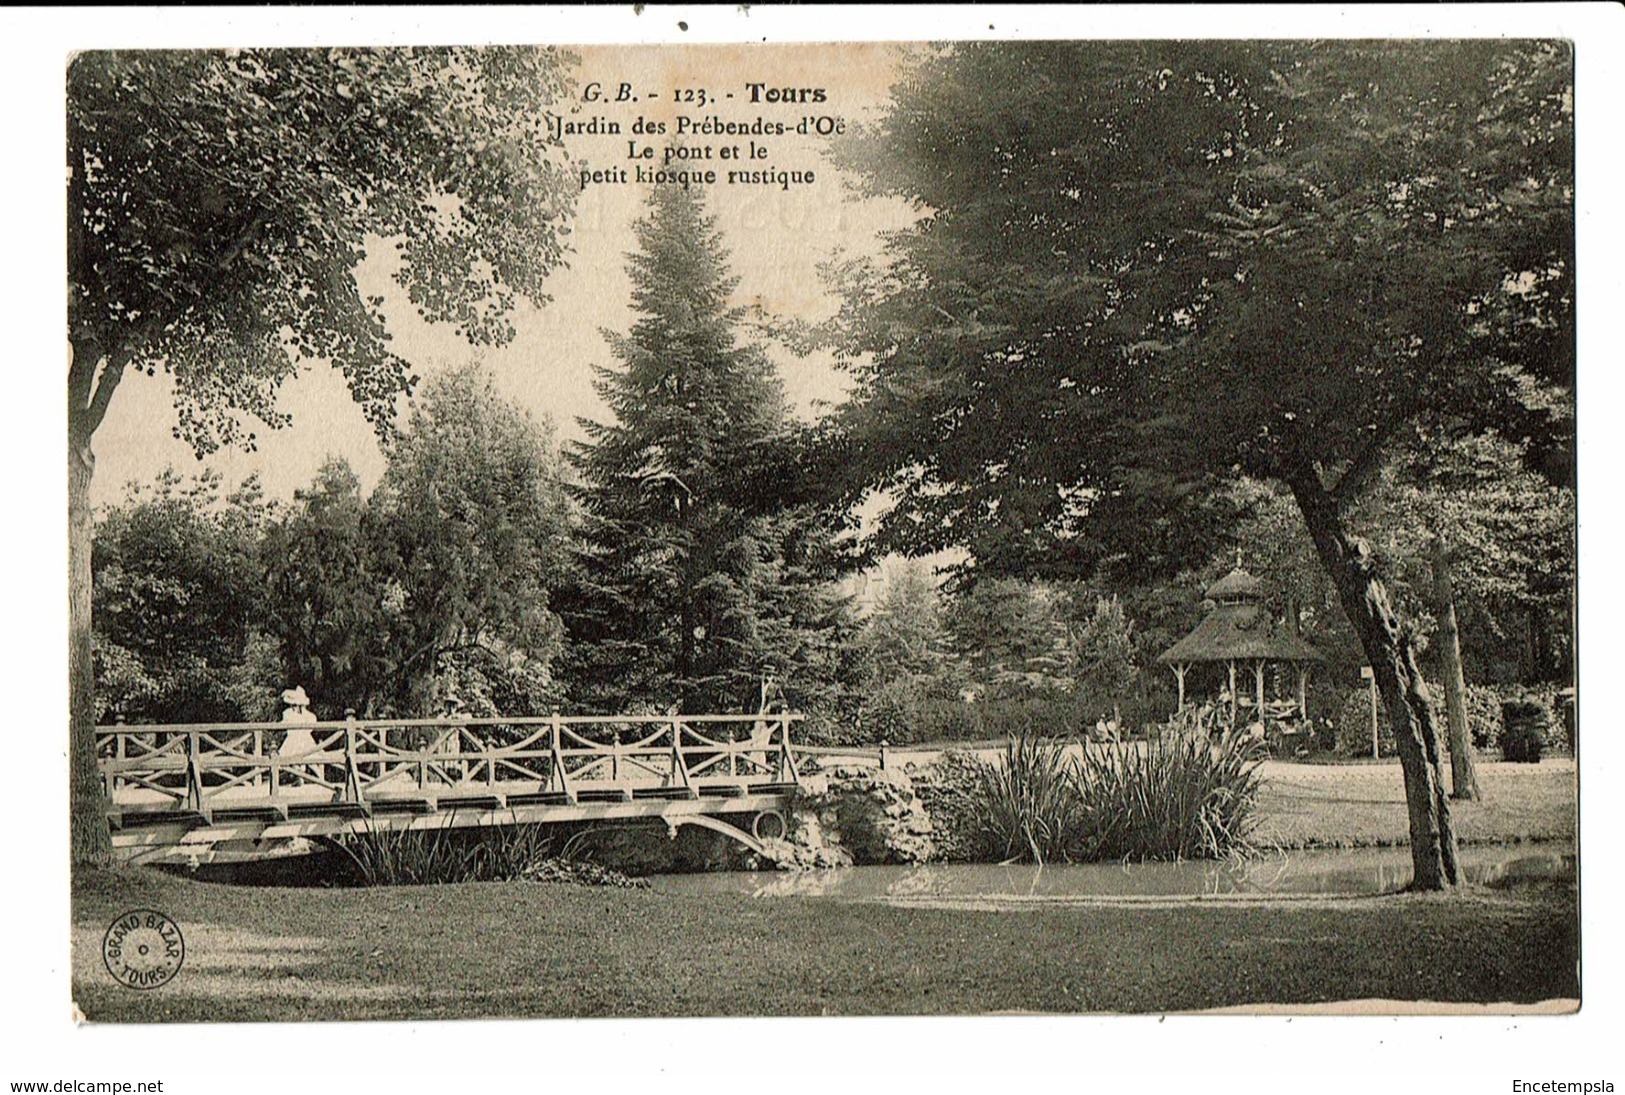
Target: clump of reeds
x,y
1179,796
440,855
1030,799
1176,797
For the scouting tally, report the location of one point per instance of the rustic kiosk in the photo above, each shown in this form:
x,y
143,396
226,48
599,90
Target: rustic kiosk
x,y
1259,657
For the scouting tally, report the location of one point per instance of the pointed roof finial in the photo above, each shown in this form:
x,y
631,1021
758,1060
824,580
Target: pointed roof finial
x,y
1238,557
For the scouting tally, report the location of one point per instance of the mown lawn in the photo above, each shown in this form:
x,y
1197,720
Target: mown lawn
x,y
529,950
1362,805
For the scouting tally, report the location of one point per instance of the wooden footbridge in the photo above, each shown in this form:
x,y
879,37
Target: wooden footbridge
x,y
217,792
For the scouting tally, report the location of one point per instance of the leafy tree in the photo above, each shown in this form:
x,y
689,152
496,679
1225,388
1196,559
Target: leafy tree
x,y
1466,523
325,602
905,636
475,524
1142,270
218,204
1508,537
700,571
442,579
177,588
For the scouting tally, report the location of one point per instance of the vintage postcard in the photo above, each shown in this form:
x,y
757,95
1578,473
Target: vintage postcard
x,y
960,524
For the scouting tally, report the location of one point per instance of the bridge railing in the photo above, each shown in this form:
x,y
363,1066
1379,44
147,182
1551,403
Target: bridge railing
x,y
203,768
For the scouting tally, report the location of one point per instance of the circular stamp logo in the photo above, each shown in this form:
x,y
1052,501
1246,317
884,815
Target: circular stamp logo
x,y
143,949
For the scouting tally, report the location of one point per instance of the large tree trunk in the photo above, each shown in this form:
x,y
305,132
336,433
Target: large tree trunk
x,y
1392,655
90,842
1463,777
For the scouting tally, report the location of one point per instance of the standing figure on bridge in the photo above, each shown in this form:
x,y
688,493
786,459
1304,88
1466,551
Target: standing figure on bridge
x,y
762,735
450,740
297,715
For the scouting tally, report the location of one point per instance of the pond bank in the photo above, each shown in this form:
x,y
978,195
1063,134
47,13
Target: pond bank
x,y
1291,875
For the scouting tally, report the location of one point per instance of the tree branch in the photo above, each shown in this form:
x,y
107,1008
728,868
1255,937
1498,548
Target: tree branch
x,y
236,246
1367,463
96,410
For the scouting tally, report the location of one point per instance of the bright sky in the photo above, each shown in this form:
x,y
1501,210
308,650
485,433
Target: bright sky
x,y
777,239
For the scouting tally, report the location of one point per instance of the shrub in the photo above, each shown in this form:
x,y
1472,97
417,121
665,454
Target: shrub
x,y
1483,716
822,728
1354,725
1182,796
1556,718
1013,715
941,718
912,710
1354,720
950,789
1568,716
909,710
1526,728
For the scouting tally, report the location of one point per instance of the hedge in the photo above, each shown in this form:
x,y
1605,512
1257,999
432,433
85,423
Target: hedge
x,y
1485,723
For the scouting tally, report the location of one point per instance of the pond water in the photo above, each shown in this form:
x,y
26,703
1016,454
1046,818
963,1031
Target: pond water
x,y
1333,872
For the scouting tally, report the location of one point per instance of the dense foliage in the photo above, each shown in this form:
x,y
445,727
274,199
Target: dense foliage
x,y
1526,729
1163,301
437,583
178,601
220,200
1143,270
477,532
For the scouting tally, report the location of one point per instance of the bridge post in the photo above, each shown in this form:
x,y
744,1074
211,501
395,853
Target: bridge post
x,y
194,775
109,781
352,777
679,767
558,774
787,759
883,757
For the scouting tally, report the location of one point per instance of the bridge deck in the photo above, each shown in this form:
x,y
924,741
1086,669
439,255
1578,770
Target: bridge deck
x,y
183,791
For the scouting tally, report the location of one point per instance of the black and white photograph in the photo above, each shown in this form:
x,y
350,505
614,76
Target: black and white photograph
x,y
666,525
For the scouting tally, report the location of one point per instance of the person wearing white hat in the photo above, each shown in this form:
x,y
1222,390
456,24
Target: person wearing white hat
x,y
297,715
451,739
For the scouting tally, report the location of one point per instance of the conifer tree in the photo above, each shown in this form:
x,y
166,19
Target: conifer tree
x,y
701,571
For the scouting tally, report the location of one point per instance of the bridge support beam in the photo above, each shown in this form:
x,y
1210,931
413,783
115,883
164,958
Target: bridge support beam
x,y
717,825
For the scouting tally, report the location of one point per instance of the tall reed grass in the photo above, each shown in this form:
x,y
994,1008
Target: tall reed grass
x,y
421,857
1177,796
1031,801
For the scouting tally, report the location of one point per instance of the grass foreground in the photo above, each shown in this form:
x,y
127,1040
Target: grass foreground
x,y
529,950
